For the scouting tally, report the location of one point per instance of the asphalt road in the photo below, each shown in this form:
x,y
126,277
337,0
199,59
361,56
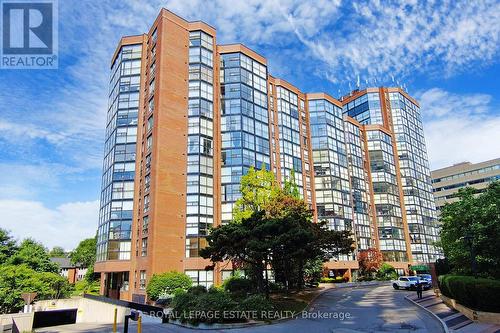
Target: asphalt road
x,y
370,309
343,310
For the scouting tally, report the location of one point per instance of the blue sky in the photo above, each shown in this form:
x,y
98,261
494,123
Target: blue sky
x,y
52,121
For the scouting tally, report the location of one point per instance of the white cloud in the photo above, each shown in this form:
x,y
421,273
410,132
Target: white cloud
x,y
65,226
374,38
381,38
459,127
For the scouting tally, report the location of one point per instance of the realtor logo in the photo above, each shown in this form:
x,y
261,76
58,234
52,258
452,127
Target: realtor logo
x,y
29,34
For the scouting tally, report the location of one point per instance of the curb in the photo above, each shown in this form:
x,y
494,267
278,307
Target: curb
x,y
446,329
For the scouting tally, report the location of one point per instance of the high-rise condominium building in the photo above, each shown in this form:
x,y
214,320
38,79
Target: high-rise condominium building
x,y
447,181
187,118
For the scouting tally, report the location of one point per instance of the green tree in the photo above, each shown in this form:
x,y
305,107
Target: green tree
x,y
296,242
477,216
8,246
33,255
282,236
290,186
85,252
257,189
313,270
57,252
167,283
18,279
274,227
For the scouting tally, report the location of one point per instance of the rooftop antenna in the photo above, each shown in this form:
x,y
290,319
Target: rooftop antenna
x,y
350,89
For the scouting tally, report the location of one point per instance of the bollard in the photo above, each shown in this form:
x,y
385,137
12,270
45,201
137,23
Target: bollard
x,y
139,325
134,315
115,320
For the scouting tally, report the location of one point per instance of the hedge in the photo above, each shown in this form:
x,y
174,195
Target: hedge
x,y
476,293
204,307
338,279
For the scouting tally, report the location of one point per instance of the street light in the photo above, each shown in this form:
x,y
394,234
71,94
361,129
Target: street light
x,y
469,240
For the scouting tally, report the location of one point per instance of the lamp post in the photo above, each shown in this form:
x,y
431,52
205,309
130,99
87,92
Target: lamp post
x,y
469,240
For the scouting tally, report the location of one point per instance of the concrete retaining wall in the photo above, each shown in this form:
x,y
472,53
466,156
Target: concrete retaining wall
x,y
22,321
481,316
89,311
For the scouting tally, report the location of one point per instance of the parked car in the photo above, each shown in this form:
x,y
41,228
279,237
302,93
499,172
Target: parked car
x,y
426,277
409,282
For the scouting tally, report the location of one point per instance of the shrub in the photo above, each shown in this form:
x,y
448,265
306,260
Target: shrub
x,y
238,286
207,307
276,286
339,279
86,287
197,290
386,272
182,304
478,294
327,280
257,303
167,283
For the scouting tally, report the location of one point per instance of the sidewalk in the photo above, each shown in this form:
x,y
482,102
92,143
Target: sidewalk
x,y
452,319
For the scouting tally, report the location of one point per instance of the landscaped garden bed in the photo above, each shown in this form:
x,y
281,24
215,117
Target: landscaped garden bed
x,y
237,302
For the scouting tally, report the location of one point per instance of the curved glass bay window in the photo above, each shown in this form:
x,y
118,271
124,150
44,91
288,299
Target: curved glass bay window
x,y
117,192
366,109
244,124
386,196
359,179
200,168
333,201
289,136
415,177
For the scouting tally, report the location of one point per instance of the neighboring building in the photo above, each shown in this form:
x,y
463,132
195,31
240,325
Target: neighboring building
x,y
447,181
187,118
73,273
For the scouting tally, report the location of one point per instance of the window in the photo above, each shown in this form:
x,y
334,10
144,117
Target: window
x,y
142,280
147,182
123,190
207,57
150,124
145,225
202,278
151,105
151,87
149,143
144,247
146,203
154,36
148,163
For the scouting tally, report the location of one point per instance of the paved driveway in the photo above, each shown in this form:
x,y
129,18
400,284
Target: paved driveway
x,y
346,310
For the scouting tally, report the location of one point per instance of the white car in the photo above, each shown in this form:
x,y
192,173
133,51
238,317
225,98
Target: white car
x,y
409,282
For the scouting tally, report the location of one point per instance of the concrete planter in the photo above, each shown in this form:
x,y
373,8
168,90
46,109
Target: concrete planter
x,y
481,316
